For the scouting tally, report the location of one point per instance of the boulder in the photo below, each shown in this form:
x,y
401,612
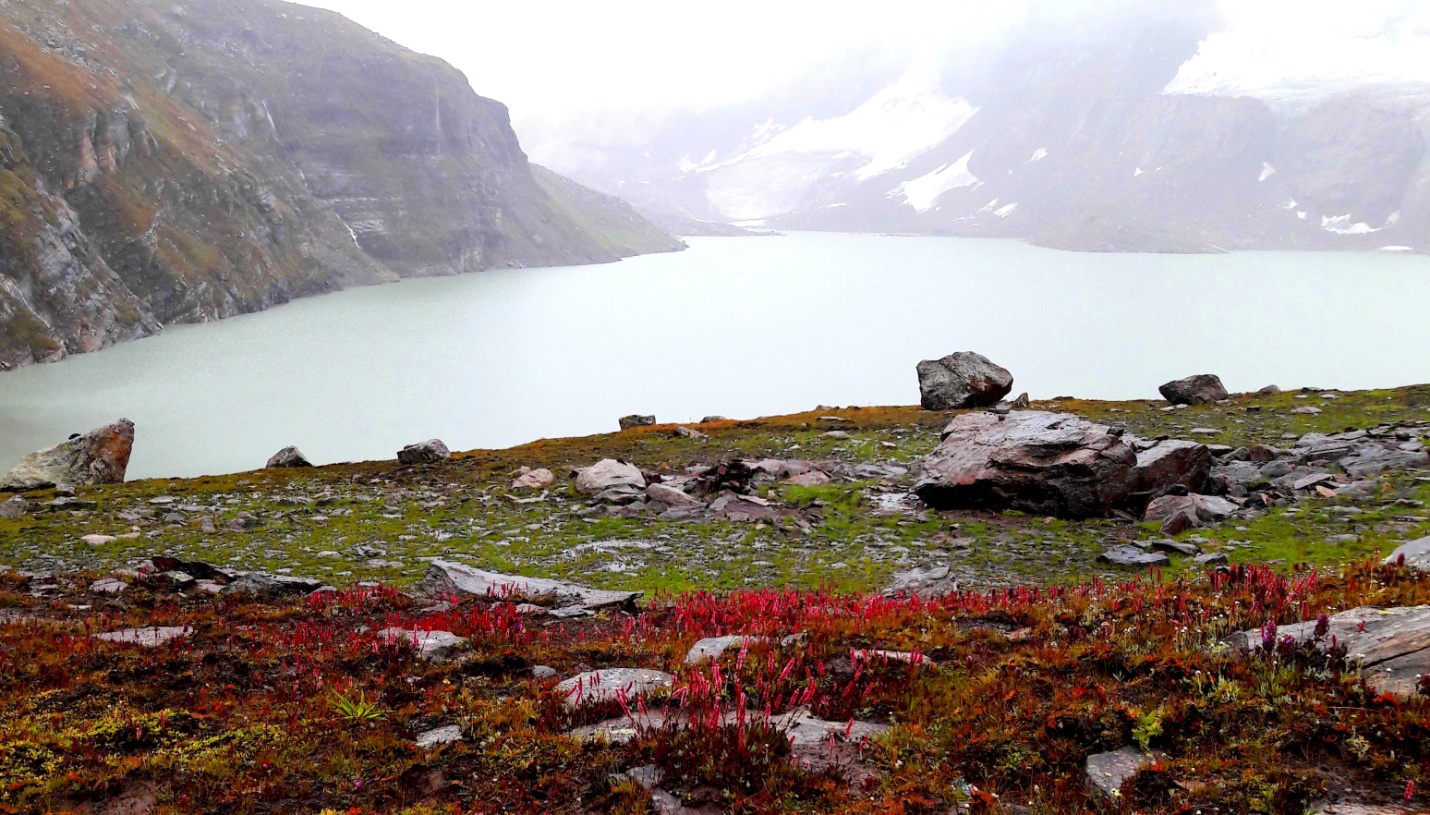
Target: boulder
x,y
98,457
1194,390
608,473
288,457
962,380
1170,463
529,479
671,498
596,687
426,452
444,578
14,508
1416,554
1391,645
1044,463
636,420
711,648
928,579
1203,509
813,478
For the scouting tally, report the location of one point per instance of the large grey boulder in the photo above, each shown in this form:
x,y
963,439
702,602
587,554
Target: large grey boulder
x,y
1194,390
1416,555
288,457
1173,462
962,380
444,578
100,456
607,474
425,452
1391,645
1045,463
636,420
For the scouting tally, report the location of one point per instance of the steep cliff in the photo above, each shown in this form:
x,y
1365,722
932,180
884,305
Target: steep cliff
x,y
176,162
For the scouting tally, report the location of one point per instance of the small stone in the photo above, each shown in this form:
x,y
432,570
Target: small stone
x,y
433,646
1107,772
98,540
1133,557
837,434
543,672
442,735
1210,559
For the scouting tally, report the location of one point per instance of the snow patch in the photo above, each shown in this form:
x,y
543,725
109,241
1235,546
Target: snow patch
x,y
1137,172
1038,155
923,192
1005,211
1266,171
1396,249
1341,225
1290,204
1300,214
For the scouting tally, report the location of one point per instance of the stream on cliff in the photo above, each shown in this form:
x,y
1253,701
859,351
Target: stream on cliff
x,y
738,327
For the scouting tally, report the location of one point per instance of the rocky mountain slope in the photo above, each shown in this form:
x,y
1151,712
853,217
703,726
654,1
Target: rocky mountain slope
x,y
1086,143
165,163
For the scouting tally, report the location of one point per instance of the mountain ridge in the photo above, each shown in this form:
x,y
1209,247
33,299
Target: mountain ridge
x,y
166,164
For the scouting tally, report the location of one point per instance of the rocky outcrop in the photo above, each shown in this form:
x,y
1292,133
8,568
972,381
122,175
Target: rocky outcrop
x,y
1048,463
636,420
1391,645
225,156
1194,390
962,380
98,457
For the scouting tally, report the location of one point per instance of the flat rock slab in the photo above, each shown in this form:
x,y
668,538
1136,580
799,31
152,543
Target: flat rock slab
x,y
447,578
1133,557
928,579
1107,772
711,648
1416,554
1392,645
432,645
622,729
442,735
151,637
108,585
595,687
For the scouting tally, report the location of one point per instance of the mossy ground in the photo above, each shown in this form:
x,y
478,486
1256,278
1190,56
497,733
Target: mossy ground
x,y
313,522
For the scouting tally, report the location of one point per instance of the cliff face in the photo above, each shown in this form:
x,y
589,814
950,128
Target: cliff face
x,y
164,162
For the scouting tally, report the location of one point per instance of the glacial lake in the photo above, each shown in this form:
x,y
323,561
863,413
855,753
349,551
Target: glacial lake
x,y
740,327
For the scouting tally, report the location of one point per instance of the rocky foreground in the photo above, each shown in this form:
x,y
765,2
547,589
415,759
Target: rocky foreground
x,y
527,630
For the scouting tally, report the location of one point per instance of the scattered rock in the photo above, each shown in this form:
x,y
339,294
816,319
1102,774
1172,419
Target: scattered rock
x,y
711,648
1043,463
1107,772
1210,559
146,637
288,458
1179,522
442,735
928,579
98,540
621,729
607,474
690,433
433,646
1392,645
98,457
813,478
444,578
636,420
1133,557
14,508
529,479
962,380
1180,547
426,452
1194,390
108,585
543,672
271,586
594,687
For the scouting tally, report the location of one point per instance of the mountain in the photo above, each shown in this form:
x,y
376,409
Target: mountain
x,y
168,162
1129,140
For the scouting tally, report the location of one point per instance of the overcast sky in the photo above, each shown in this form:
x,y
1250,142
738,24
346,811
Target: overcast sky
x,y
547,58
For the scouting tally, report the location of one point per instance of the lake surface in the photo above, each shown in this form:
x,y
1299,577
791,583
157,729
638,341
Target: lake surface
x,y
740,327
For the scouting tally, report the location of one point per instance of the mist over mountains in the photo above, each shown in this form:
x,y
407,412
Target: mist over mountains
x,y
1134,129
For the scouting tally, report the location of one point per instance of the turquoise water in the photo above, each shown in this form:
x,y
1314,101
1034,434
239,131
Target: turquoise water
x,y
740,327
